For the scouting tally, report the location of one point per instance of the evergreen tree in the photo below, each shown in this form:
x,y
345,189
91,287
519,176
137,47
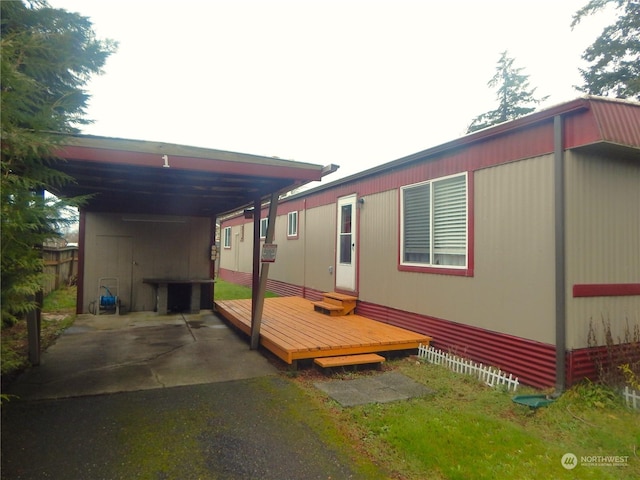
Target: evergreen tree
x,y
615,55
47,56
515,97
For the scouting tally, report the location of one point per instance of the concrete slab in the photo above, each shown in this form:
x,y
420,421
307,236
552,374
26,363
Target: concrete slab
x,y
378,388
140,351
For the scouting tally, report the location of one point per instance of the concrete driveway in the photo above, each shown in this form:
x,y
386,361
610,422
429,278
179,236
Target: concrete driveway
x,y
140,351
100,406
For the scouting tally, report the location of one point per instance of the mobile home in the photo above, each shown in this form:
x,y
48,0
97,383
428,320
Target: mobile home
x,y
503,245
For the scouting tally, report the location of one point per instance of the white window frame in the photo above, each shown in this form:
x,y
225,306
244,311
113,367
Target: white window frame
x,y
264,225
226,237
445,240
292,224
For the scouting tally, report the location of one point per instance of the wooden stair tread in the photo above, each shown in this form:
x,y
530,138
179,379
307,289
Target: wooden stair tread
x,y
340,296
328,306
344,360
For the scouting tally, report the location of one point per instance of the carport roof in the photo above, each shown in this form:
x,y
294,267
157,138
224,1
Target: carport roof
x,y
134,176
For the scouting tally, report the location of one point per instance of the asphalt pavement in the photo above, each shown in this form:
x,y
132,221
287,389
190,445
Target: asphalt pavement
x,y
183,397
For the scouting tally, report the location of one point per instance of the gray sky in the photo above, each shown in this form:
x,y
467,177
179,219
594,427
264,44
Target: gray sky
x,y
356,83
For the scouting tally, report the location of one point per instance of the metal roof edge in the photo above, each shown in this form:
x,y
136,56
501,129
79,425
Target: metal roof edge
x,y
547,114
156,147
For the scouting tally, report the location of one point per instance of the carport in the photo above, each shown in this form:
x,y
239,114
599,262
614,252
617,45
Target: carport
x,y
139,188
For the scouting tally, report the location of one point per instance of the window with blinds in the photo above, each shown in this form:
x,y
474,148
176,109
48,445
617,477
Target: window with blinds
x,y
434,223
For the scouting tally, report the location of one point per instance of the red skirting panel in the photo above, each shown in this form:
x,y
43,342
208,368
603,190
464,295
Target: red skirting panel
x,y
239,278
281,288
580,365
532,362
590,362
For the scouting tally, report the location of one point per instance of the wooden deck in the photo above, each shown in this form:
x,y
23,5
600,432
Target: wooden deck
x,y
292,330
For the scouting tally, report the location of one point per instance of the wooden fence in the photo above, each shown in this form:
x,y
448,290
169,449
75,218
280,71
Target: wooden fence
x,y
60,267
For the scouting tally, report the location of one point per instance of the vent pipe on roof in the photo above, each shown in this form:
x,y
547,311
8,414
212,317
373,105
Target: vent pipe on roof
x,y
560,287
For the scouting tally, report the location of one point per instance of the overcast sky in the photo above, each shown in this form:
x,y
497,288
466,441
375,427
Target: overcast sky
x,y
356,83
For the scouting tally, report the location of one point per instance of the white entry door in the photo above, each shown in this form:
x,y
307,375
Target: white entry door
x,y
346,244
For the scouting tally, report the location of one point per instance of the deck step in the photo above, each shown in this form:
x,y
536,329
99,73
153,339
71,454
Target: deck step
x,y
345,360
336,304
328,308
340,296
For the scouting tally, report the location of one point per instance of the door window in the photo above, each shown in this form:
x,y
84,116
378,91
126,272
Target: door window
x,y
345,234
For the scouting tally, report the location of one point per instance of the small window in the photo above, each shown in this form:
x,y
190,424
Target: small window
x,y
226,237
292,224
434,223
264,224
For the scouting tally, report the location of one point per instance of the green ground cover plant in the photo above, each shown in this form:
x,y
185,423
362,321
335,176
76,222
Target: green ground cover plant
x,y
58,313
230,291
468,430
464,430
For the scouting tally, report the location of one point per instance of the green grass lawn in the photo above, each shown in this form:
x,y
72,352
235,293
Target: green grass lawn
x,y
230,291
466,430
59,312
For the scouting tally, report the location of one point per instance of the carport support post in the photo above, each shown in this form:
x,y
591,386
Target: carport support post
x,y
34,317
258,306
34,322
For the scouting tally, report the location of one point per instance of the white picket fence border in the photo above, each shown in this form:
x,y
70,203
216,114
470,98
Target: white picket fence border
x,y
631,397
489,375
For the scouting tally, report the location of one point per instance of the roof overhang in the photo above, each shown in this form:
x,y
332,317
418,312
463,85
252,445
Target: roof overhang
x,y
133,176
606,126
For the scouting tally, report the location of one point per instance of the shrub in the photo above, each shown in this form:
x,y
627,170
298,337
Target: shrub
x,y
616,360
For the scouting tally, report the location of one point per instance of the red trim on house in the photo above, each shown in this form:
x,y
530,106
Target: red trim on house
x,y
471,224
461,272
234,221
154,160
586,122
532,362
606,289
617,122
